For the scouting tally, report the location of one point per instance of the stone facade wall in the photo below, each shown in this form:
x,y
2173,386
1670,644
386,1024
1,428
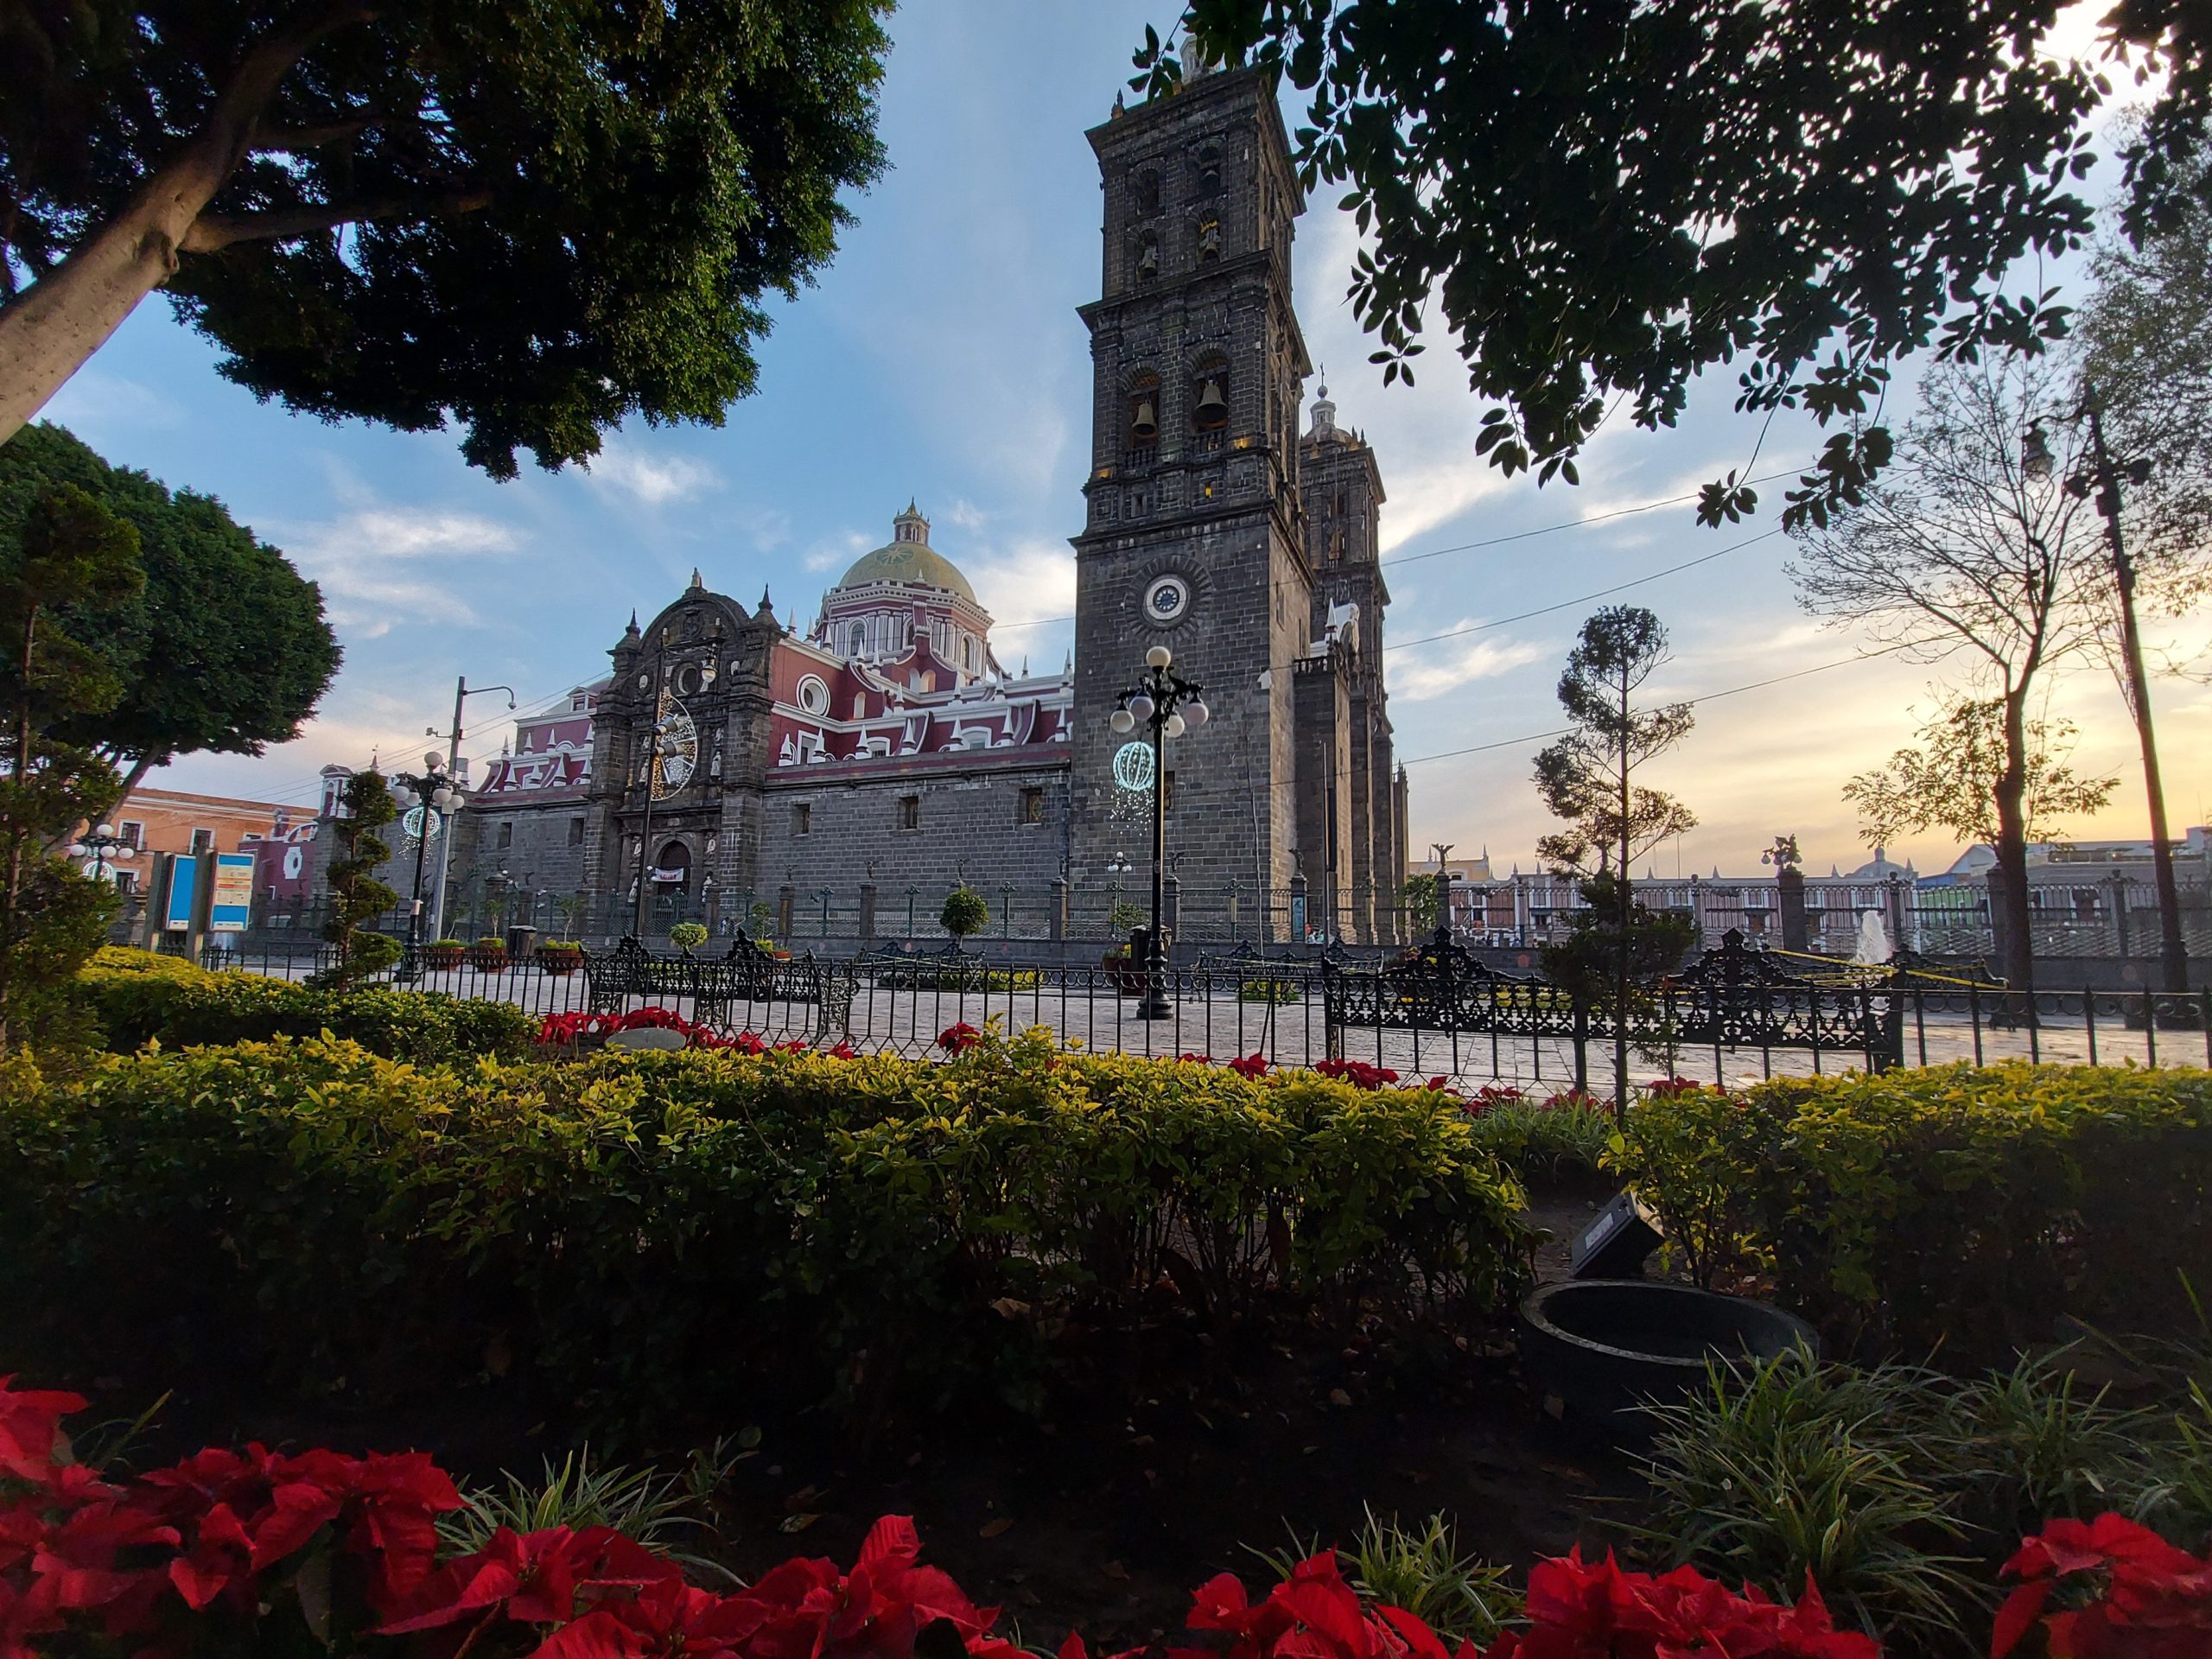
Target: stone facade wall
x,y
970,819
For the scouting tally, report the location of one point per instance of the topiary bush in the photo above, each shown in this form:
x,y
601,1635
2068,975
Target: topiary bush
x,y
290,1214
1958,1211
141,997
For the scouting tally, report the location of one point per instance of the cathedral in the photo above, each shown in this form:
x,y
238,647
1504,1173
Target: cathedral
x,y
730,751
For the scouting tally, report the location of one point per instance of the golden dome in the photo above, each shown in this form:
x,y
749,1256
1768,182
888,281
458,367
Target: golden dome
x,y
909,558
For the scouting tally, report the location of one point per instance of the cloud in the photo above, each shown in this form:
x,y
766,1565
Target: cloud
x,y
1433,670
651,481
965,514
838,551
1026,583
376,562
93,403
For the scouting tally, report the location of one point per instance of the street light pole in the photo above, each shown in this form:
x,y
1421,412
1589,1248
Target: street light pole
x,y
431,792
1443,851
1168,704
463,692
2105,475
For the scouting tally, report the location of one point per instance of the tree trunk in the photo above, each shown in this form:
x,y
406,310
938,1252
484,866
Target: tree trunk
x,y
46,335
48,331
2019,958
1624,916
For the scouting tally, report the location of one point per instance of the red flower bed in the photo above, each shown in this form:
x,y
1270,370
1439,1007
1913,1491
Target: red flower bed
x,y
958,1040
183,1560
1358,1074
344,1549
561,1029
2107,1589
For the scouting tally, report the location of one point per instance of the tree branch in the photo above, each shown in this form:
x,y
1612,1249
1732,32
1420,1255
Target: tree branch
x,y
291,140
212,232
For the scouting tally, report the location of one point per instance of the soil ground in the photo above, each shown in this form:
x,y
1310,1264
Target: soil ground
x,y
1105,1522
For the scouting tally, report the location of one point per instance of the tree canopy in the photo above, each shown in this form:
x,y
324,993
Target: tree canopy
x,y
534,220
225,647
1604,199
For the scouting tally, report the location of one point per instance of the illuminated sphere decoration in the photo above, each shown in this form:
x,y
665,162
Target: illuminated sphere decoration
x,y
1133,768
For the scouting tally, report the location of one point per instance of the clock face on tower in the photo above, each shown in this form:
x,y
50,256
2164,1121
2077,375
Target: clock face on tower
x,y
1166,599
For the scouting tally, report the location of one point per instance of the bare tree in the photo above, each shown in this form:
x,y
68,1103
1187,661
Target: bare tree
x,y
1961,557
2146,360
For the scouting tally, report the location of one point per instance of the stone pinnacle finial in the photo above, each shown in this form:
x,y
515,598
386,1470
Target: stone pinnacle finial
x,y
632,631
766,606
698,581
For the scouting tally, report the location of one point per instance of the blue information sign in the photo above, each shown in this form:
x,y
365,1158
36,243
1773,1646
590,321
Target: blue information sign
x,y
230,905
184,887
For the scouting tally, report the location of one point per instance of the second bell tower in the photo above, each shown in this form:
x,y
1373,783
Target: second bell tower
x,y
1193,534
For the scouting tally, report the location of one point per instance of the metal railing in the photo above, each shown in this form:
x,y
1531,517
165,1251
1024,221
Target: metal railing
x,y
1298,1011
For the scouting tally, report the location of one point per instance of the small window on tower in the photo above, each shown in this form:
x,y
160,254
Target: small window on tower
x,y
507,834
1147,256
801,819
575,832
1209,240
1146,195
1033,806
1209,171
910,811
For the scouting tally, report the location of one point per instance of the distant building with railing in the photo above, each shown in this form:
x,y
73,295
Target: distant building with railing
x,y
2085,898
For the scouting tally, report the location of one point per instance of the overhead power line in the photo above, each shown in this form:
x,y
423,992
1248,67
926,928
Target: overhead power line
x,y
1709,696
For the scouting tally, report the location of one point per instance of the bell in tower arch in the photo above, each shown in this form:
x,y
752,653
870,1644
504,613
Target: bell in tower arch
x,y
1144,425
1213,410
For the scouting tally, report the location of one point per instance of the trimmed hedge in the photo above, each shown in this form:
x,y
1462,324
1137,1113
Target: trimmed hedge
x,y
141,996
641,1235
1960,1211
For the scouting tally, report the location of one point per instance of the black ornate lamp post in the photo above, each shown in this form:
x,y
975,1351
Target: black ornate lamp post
x,y
100,844
431,792
1168,705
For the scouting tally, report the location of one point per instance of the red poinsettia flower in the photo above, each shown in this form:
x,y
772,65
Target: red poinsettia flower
x,y
958,1040
31,1440
1252,1065
2144,1597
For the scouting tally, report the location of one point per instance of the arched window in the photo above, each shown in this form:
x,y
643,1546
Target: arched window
x,y
1145,195
1144,410
1147,255
859,638
1210,393
672,867
1209,239
1209,171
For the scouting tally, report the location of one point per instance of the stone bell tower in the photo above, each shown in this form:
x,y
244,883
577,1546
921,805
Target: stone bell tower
x,y
1193,535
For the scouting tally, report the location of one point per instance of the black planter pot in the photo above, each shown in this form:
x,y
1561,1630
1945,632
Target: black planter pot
x,y
1603,1346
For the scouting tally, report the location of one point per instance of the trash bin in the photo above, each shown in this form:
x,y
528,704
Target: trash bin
x,y
521,941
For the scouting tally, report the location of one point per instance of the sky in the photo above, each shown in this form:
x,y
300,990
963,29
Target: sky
x,y
940,357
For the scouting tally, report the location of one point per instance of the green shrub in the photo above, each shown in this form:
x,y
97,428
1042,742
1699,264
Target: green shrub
x,y
688,936
649,1238
1267,990
1792,1467
1957,1210
1567,1136
1903,1491
964,912
139,996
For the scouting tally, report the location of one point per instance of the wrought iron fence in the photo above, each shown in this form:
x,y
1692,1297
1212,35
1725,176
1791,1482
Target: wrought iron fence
x,y
1738,1021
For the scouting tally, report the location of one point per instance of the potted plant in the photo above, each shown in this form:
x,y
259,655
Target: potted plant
x,y
560,956
489,955
1124,965
687,937
445,953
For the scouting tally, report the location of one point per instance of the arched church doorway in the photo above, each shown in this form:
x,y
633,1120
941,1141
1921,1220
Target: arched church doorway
x,y
672,868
